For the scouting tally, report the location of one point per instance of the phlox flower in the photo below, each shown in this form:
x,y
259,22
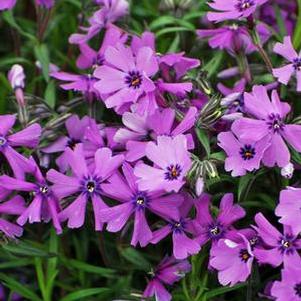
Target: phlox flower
x,y
242,156
44,205
167,272
128,76
233,9
288,209
278,247
181,228
85,182
289,288
14,206
210,228
172,162
28,137
136,202
233,260
76,129
139,129
268,122
9,4
283,74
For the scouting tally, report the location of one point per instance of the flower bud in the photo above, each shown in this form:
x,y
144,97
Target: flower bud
x,y
16,78
199,186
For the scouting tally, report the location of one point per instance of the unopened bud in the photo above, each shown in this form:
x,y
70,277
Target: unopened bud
x,y
288,171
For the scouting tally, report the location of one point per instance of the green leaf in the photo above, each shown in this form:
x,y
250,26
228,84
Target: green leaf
x,y
104,272
18,287
220,156
222,290
244,186
9,18
297,33
204,139
42,55
136,258
50,94
213,65
25,249
16,263
80,294
172,30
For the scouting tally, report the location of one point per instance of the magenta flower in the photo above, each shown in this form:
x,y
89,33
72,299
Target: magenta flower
x,y
15,206
45,3
289,288
133,201
288,209
233,9
269,123
279,247
78,82
283,74
172,162
90,58
181,228
141,128
85,182
7,4
128,76
76,129
28,137
209,228
167,272
44,205
234,38
242,156
233,260
111,11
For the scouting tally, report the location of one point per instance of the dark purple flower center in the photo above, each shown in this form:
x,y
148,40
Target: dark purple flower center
x,y
173,172
244,255
72,143
178,226
247,152
297,289
91,185
133,79
297,64
215,231
287,244
98,60
275,123
140,200
244,4
2,141
44,189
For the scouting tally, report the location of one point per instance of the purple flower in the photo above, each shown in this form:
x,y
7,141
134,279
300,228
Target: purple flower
x,y
289,288
7,4
28,137
209,228
76,129
90,58
233,260
111,11
279,247
288,209
167,272
234,38
79,82
16,77
244,155
183,245
45,3
141,128
270,123
128,76
172,162
133,201
85,182
15,206
283,74
44,205
233,9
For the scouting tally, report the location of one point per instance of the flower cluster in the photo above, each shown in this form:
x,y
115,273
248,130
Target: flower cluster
x,y
149,175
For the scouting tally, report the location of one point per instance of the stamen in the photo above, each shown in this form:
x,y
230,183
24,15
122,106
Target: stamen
x,y
247,152
244,255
